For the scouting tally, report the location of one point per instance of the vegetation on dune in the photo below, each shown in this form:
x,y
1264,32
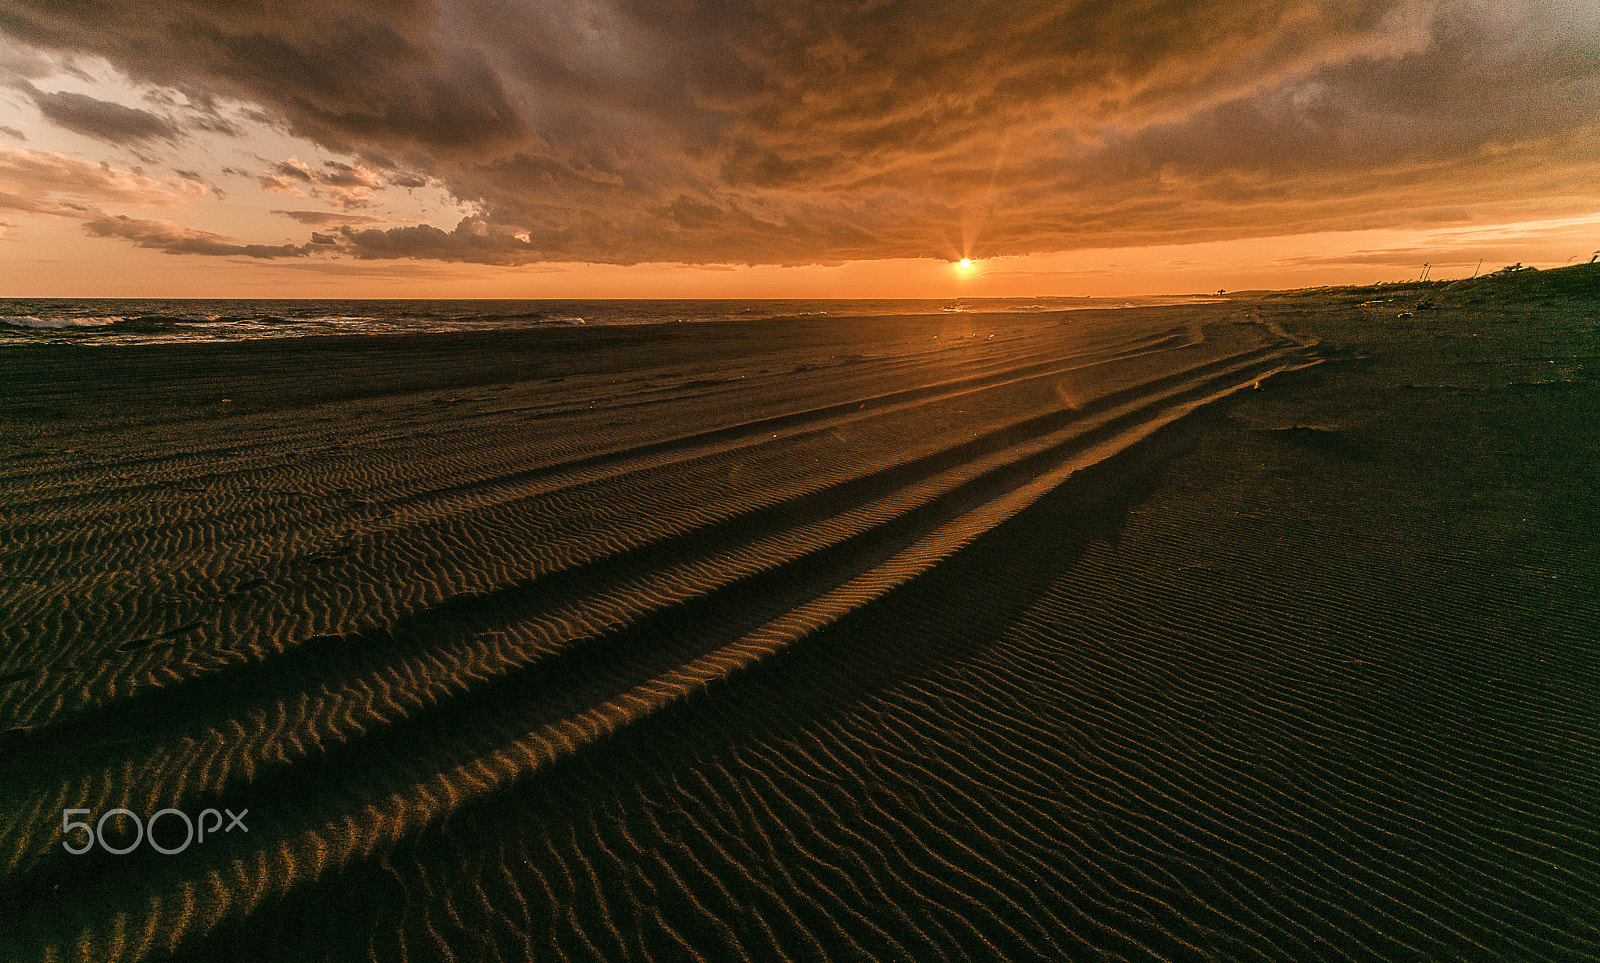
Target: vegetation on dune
x,y
1513,284
1579,281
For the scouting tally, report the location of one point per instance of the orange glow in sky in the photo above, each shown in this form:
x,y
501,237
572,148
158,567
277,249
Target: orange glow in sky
x,y
872,152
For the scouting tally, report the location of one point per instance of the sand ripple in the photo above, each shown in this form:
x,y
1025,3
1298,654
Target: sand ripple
x,y
853,642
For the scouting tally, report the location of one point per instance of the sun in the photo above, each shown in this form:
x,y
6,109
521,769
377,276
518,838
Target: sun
x,y
966,264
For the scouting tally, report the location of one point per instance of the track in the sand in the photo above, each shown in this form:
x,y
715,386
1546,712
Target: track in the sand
x,y
765,661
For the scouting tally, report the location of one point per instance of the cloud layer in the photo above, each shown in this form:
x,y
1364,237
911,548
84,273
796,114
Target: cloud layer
x,y
72,186
101,119
765,131
174,238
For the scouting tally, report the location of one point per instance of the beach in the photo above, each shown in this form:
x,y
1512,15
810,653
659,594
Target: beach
x,y
1262,628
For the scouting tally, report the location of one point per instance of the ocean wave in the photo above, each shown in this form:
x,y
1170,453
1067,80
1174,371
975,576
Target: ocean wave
x,y
119,324
148,324
54,324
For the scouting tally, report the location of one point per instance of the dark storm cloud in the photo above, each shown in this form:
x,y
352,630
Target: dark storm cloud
x,y
17,63
769,131
473,241
101,119
173,238
332,218
351,185
381,72
215,125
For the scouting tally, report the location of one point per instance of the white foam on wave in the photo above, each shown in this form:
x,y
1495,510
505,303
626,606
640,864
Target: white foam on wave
x,y
33,321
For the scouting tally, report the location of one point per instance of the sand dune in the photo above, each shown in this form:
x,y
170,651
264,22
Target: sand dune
x,y
1006,637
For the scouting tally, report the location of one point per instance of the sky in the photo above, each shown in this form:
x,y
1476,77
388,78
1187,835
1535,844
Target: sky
x,y
769,148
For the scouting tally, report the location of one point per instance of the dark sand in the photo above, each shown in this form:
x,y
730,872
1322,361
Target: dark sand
x,y
1038,639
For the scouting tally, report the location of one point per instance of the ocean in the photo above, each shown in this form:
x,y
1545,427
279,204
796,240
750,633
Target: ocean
x,y
107,321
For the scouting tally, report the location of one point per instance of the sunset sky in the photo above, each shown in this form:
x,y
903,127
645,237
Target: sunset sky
x,y
773,148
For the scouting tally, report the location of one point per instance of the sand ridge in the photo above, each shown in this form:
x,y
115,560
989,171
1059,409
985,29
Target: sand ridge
x,y
784,622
